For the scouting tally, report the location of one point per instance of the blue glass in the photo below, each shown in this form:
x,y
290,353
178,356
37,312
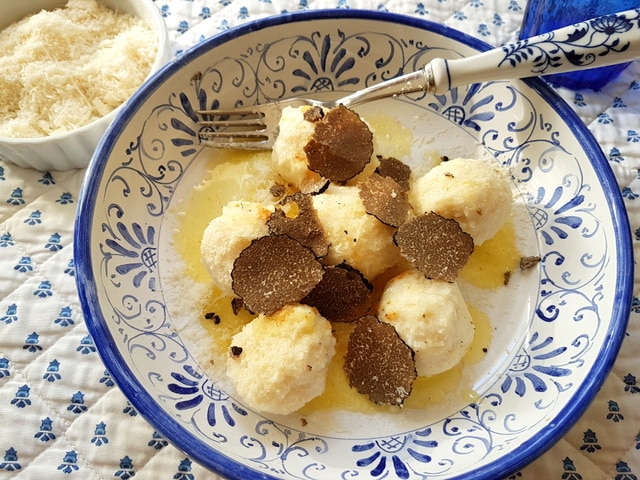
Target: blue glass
x,y
542,16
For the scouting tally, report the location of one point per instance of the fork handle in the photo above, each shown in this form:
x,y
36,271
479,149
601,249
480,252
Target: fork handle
x,y
601,41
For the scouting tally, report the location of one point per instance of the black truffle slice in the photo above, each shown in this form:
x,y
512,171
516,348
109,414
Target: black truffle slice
x,y
274,271
343,294
297,218
385,199
435,245
394,168
341,145
378,363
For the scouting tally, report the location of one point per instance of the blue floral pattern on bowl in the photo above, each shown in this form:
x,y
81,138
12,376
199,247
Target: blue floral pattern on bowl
x,y
574,215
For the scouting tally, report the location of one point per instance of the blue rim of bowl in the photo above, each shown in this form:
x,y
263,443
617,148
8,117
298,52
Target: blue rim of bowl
x,y
218,462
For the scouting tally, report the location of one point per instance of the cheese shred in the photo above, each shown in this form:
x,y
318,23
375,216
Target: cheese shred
x,y
65,68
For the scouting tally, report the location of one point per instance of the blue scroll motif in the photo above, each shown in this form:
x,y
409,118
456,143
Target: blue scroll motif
x,y
140,187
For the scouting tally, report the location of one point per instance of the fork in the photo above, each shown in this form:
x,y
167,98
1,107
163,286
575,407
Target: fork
x,y
601,41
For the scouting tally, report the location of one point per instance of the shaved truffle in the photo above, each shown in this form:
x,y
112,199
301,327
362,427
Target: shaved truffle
x,y
378,363
394,168
341,145
385,199
313,114
297,218
529,262
343,294
435,245
274,271
236,305
278,190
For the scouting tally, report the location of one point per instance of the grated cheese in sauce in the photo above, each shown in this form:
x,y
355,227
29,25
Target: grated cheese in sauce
x,y
65,68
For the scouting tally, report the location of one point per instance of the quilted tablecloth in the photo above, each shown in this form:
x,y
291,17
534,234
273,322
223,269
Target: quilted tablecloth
x,y
62,416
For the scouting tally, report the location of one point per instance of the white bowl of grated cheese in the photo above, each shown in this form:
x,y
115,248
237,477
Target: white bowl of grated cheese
x,y
67,67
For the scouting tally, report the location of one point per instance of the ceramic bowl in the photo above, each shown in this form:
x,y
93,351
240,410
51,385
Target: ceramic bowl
x,y
73,149
555,328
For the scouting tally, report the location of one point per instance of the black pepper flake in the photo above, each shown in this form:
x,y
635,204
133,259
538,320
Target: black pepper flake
x,y
213,316
529,262
507,277
235,350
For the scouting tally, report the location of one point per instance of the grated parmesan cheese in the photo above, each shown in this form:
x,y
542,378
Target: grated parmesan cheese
x,y
62,69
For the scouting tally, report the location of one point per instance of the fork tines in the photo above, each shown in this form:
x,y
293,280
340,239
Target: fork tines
x,y
249,131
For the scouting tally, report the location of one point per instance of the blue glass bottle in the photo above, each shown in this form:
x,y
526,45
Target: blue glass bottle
x,y
542,16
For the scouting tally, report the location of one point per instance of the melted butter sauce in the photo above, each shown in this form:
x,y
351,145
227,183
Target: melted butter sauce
x,y
238,175
233,173
427,391
492,260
